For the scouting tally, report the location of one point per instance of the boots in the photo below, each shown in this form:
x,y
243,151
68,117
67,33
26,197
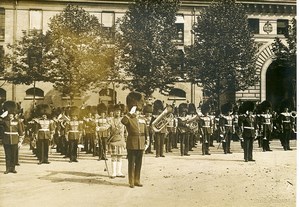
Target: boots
x,y
114,169
119,169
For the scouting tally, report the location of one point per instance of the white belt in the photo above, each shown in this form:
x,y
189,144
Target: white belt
x,y
11,133
287,121
44,130
248,127
74,131
228,125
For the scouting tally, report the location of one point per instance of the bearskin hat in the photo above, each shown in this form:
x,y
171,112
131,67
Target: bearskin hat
x,y
111,108
101,108
135,99
285,104
205,108
93,110
10,106
148,109
191,108
74,111
117,107
226,108
43,109
183,107
157,106
247,106
266,105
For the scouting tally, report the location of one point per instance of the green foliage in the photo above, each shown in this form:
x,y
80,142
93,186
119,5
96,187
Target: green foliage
x,y
222,58
78,55
147,31
27,60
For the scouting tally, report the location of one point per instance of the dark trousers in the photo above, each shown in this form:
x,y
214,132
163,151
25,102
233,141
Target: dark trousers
x,y
73,144
184,143
205,143
10,156
135,158
248,148
89,142
43,150
159,143
148,150
226,142
286,136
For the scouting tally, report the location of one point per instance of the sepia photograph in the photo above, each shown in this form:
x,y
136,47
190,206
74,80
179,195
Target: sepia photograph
x,y
165,103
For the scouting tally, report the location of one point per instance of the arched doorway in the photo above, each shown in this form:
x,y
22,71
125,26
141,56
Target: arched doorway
x,y
280,84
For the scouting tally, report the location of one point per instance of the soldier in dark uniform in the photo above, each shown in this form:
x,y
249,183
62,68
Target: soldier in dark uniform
x,y
74,130
44,130
205,125
12,135
249,127
267,125
286,125
183,129
89,128
193,125
138,137
226,122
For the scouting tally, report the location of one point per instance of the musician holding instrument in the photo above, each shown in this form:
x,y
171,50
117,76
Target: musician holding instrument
x,y
117,142
74,131
183,129
138,137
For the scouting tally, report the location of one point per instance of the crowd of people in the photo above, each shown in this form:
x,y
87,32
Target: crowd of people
x,y
136,128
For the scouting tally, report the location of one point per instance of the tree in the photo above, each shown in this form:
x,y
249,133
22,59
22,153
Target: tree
x,y
286,58
78,54
147,31
26,60
222,59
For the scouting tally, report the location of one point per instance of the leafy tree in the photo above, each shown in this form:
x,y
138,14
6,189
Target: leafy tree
x,y
78,54
26,60
147,31
286,58
222,59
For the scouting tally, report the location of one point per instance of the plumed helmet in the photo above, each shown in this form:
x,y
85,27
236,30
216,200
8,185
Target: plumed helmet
x,y
205,108
148,109
226,108
183,107
10,106
101,108
157,106
191,108
74,111
43,109
135,98
247,106
266,105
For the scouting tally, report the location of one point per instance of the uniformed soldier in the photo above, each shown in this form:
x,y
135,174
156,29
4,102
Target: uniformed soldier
x,y
147,111
226,124
138,137
44,130
205,125
74,131
12,134
183,129
249,127
102,131
89,128
193,125
267,124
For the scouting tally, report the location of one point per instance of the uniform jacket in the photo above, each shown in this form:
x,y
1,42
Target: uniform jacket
x,y
12,130
137,132
44,128
248,125
74,129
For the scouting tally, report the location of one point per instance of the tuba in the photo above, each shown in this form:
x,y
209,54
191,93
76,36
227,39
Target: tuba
x,y
163,119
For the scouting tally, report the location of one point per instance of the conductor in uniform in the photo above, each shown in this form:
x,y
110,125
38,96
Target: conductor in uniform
x,y
137,139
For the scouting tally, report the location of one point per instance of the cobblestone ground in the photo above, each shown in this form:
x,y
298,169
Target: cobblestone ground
x,y
215,180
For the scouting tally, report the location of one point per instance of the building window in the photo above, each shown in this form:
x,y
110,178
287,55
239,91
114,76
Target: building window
x,y
253,25
283,27
35,20
108,23
2,24
1,59
34,93
179,28
2,95
177,94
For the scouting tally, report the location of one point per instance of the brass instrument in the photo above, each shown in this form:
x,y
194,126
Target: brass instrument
x,y
163,119
192,123
294,114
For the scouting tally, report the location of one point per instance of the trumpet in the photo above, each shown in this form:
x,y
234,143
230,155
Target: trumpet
x,y
163,119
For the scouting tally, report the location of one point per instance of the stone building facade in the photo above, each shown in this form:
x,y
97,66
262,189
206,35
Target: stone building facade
x,y
267,18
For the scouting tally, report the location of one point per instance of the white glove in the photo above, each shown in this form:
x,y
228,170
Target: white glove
x,y
132,110
19,144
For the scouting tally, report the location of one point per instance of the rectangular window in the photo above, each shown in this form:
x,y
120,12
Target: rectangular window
x,y
2,24
253,25
283,27
35,20
108,22
179,28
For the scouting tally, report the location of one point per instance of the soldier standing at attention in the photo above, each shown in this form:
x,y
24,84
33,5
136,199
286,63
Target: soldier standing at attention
x,y
205,125
137,139
12,134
